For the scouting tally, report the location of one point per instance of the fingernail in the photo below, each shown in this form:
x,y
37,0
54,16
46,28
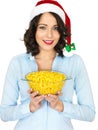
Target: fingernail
x,y
36,92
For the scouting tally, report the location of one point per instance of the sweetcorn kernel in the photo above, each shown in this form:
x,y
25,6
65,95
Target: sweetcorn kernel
x,y
46,82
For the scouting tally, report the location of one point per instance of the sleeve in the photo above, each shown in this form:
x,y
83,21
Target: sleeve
x,y
10,109
84,109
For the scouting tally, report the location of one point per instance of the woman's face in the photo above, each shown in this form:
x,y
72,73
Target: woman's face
x,y
47,34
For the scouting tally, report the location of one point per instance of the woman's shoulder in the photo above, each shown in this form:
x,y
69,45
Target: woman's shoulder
x,y
74,60
21,56
74,57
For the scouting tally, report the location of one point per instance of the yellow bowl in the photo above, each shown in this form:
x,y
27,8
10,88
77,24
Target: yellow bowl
x,y
46,82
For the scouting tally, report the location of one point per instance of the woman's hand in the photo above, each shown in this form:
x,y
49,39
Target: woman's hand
x,y
55,102
36,100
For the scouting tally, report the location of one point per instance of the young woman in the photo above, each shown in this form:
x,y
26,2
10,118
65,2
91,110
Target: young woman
x,y
45,40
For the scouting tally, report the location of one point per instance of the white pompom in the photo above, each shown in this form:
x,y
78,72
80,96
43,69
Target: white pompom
x,y
68,54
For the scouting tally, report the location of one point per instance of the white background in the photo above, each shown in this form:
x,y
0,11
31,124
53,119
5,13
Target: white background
x,y
14,19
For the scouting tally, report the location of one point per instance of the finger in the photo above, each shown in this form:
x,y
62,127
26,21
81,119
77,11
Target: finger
x,y
59,93
34,94
30,91
52,96
38,99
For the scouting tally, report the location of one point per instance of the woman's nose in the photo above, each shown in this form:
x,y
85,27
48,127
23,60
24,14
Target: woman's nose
x,y
49,33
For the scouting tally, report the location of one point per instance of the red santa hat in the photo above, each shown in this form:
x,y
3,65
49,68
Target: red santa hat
x,y
53,6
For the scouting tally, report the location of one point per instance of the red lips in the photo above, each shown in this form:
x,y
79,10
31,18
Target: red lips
x,y
48,42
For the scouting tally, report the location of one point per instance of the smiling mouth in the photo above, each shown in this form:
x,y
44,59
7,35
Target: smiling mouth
x,y
48,42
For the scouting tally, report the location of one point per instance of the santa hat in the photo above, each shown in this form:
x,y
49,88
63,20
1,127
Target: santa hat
x,y
53,6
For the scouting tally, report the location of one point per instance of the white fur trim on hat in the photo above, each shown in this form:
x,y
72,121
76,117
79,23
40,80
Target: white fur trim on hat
x,y
47,8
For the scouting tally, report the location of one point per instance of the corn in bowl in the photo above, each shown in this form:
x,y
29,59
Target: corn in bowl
x,y
46,82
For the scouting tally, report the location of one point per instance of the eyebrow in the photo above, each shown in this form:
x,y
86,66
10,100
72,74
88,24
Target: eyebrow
x,y
45,24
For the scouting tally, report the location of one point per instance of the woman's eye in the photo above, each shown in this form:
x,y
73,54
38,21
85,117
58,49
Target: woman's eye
x,y
56,28
42,27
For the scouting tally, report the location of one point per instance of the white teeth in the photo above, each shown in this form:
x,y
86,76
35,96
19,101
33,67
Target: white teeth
x,y
48,41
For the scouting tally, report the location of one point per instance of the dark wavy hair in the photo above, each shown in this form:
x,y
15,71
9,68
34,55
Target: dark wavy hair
x,y
30,41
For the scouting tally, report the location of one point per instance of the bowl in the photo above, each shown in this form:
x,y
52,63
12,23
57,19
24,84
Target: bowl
x,y
46,82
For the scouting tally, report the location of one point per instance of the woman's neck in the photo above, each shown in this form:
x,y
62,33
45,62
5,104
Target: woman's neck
x,y
46,55
44,60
